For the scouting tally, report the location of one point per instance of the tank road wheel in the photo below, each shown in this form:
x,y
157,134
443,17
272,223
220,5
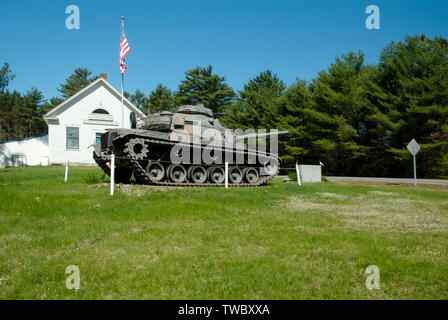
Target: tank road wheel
x,y
235,175
197,174
177,173
156,171
251,175
216,174
136,148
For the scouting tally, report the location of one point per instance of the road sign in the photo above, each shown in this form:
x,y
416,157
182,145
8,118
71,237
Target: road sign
x,y
413,147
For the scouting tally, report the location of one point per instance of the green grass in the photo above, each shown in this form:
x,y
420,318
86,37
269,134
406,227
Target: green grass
x,y
280,241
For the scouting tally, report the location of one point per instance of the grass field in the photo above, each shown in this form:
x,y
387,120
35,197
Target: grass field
x,y
280,241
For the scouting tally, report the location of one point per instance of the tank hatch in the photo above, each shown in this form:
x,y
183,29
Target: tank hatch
x,y
197,109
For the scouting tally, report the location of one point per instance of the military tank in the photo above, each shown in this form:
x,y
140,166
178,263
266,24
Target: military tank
x,y
188,147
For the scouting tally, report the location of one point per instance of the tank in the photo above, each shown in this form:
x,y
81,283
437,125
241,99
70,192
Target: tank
x,y
188,147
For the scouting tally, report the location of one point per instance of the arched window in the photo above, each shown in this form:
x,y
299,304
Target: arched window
x,y
101,111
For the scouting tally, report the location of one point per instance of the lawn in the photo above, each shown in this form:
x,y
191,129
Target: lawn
x,y
279,241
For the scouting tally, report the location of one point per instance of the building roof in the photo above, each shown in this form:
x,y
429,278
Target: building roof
x,y
104,82
26,138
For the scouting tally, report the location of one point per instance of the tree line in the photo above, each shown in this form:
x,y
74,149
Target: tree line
x,y
21,115
356,118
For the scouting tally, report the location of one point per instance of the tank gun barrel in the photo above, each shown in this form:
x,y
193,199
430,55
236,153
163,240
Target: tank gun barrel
x,y
258,135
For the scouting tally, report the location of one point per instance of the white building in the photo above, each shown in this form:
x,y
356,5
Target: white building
x,y
30,151
75,125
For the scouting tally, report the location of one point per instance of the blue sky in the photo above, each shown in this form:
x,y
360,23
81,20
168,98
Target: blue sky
x,y
295,39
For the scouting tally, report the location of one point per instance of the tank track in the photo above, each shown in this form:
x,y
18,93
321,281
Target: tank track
x,y
102,163
142,176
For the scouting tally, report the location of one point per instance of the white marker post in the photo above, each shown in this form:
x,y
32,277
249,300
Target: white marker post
x,y
112,174
413,148
66,171
298,174
226,173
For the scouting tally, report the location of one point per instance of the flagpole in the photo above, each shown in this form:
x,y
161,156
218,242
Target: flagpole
x,y
122,106
122,81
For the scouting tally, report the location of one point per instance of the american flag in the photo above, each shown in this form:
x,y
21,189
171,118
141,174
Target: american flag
x,y
124,50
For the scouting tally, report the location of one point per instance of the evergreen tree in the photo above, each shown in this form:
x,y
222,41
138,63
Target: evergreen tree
x,y
10,125
79,79
340,111
300,118
202,86
5,76
161,98
414,96
32,114
139,100
47,106
21,115
256,105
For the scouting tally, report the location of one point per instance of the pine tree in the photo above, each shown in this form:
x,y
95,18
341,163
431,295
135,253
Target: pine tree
x,y
79,79
256,105
32,113
300,118
21,115
202,86
161,98
5,76
414,95
139,100
339,110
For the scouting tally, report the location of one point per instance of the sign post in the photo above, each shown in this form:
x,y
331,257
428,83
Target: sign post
x,y
413,148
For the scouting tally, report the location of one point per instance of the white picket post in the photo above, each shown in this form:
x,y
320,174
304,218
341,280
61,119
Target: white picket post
x,y
66,171
226,171
112,174
298,174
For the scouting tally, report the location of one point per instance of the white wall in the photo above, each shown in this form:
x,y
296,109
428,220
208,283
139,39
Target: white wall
x,y
35,150
77,113
310,173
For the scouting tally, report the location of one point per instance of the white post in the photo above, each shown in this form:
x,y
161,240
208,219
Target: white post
x,y
415,172
226,171
298,174
112,174
66,171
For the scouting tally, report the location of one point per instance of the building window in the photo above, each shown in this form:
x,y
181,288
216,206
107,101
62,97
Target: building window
x,y
98,137
101,111
72,138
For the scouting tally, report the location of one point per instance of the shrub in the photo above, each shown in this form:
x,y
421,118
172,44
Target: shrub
x,y
105,178
94,177
292,175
